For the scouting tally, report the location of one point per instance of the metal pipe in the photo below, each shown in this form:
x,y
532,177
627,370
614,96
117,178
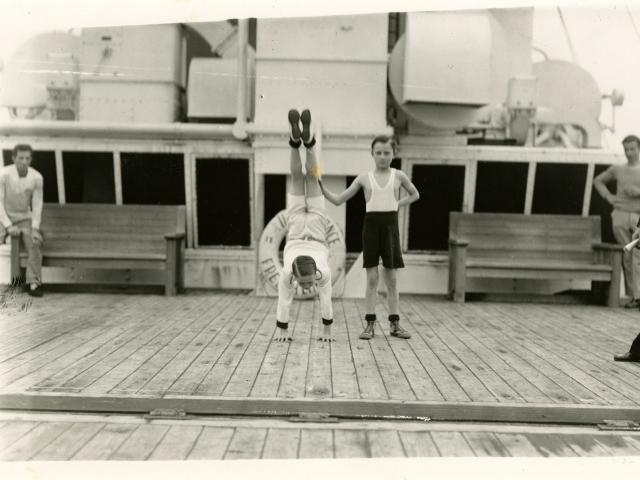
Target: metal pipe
x,y
170,131
239,127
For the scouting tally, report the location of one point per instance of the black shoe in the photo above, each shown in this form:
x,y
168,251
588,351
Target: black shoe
x,y
627,357
35,292
634,303
308,138
294,126
369,332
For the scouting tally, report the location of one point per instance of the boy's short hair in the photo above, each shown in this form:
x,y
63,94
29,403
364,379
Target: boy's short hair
x,y
304,268
631,138
21,147
384,139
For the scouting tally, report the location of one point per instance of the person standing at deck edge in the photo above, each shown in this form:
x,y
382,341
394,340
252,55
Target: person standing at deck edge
x,y
21,199
626,211
380,235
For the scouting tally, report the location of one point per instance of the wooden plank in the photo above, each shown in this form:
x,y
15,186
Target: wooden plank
x,y
316,444
607,387
385,443
154,356
66,376
120,368
396,383
318,380
67,444
185,357
97,377
619,445
351,444
33,441
349,408
241,382
470,333
105,442
485,444
141,443
268,379
211,444
419,378
281,443
556,384
452,444
244,357
475,320
499,388
177,443
464,376
230,344
92,340
445,382
586,445
292,384
518,445
418,444
191,378
370,381
246,443
12,431
344,378
550,445
562,372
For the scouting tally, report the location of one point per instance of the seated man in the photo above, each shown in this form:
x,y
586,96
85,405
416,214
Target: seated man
x,y
21,200
305,253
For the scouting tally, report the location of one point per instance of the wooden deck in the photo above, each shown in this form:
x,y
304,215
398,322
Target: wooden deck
x,y
212,353
91,437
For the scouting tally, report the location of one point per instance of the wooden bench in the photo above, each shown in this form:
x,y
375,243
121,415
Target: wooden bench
x,y
112,237
488,245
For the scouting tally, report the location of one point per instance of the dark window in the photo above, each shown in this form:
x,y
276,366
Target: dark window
x,y
223,201
501,187
152,178
559,189
441,190
275,195
45,163
355,211
599,206
88,177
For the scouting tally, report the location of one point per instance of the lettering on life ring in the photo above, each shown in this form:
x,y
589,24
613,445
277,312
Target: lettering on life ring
x,y
270,266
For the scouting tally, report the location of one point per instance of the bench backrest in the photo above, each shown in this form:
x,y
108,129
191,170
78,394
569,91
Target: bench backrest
x,y
563,238
110,228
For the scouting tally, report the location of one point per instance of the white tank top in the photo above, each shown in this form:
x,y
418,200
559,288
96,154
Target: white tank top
x,y
383,199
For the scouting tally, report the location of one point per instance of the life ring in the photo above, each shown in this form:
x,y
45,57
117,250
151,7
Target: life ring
x,y
270,266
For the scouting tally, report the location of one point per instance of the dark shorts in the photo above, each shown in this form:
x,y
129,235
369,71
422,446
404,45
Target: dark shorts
x,y
380,238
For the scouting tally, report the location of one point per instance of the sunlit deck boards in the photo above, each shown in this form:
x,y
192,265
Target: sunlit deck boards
x,y
46,437
218,345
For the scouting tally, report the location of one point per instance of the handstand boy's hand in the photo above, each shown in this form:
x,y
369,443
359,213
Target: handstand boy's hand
x,y
326,334
282,335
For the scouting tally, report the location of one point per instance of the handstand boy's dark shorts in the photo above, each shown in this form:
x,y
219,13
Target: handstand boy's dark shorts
x,y
380,238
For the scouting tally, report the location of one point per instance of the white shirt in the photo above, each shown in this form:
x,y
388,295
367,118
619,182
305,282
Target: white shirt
x,y
383,199
20,197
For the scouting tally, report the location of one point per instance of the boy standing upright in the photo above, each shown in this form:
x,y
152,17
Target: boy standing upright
x,y
380,235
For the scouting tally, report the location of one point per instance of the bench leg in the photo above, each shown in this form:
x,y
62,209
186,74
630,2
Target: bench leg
x,y
171,271
457,273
